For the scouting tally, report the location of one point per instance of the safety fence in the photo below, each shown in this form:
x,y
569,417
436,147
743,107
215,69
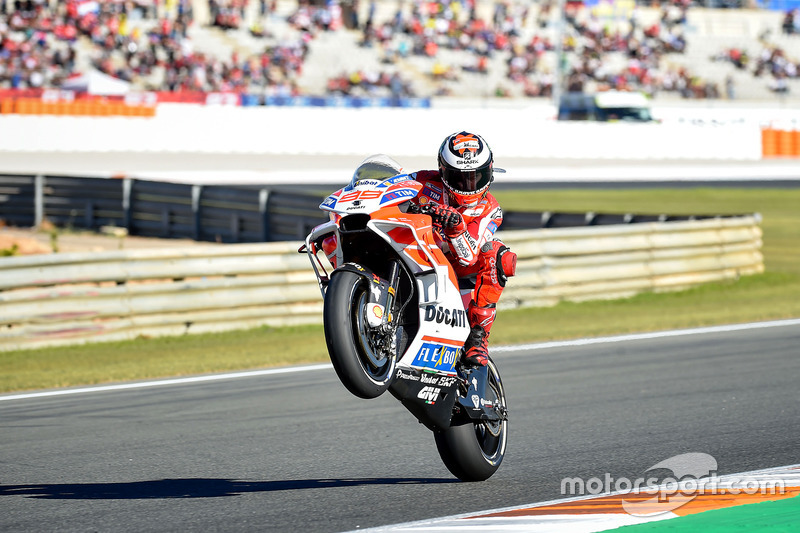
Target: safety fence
x,y
59,299
159,209
209,213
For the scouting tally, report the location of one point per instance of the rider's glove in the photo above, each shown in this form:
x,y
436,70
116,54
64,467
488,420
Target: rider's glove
x,y
450,220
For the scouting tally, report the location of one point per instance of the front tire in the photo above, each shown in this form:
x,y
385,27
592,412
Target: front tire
x,y
363,368
473,451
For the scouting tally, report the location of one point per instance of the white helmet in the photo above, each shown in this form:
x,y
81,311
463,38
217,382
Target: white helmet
x,y
465,163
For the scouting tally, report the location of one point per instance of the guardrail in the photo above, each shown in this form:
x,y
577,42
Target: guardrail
x,y
59,299
159,209
208,212
618,261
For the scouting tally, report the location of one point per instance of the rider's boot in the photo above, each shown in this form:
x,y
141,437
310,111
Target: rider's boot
x,y
476,348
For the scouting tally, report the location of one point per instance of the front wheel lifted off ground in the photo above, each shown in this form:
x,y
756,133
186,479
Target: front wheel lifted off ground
x,y
363,368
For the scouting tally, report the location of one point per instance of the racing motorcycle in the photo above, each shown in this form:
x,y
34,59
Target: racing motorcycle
x,y
394,319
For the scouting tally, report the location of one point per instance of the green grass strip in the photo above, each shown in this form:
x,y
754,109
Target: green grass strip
x,y
774,516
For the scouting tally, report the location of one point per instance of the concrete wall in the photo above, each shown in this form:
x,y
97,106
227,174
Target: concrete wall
x,y
712,133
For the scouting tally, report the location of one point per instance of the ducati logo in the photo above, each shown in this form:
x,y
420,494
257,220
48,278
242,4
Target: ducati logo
x,y
456,318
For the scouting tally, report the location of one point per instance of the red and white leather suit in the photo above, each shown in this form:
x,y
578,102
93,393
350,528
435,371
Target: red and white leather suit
x,y
481,262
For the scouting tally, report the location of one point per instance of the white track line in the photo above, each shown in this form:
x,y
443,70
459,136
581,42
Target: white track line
x,y
176,381
498,349
644,336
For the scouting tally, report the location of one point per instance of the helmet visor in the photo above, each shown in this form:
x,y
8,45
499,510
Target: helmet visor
x,y
467,181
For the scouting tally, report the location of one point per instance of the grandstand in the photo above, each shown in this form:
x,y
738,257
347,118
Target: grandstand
x,y
467,48
708,33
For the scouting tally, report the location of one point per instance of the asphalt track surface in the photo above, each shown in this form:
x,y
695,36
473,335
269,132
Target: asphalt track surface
x,y
295,452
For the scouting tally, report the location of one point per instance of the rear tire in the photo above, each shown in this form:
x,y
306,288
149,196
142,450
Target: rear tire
x,y
474,450
363,369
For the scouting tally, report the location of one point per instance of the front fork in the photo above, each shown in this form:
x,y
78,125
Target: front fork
x,y
390,294
385,329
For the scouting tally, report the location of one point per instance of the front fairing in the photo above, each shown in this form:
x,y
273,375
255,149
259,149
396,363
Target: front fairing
x,y
369,195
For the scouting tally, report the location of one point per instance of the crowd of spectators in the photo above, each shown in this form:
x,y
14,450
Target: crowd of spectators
x,y
642,49
136,41
370,84
133,53
791,22
738,57
272,72
429,26
523,33
314,18
38,40
231,14
772,62
34,49
227,15
132,42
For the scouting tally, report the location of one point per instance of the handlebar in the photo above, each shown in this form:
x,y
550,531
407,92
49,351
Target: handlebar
x,y
425,209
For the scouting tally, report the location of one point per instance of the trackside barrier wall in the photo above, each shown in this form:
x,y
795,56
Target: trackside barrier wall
x,y
207,212
159,209
191,129
60,299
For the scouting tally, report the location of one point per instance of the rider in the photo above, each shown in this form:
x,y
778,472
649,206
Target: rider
x,y
468,216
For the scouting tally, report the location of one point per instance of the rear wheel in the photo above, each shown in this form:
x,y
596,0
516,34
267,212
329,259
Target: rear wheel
x,y
474,450
362,363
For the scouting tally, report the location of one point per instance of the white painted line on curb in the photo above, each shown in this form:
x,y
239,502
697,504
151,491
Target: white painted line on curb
x,y
645,336
488,521
498,349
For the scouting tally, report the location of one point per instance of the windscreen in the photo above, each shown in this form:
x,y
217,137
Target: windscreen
x,y
379,167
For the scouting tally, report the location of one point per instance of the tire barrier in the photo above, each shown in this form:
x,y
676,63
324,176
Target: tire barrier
x,y
159,209
73,298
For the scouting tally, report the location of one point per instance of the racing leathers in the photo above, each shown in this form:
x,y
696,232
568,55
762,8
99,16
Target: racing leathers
x,y
482,263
